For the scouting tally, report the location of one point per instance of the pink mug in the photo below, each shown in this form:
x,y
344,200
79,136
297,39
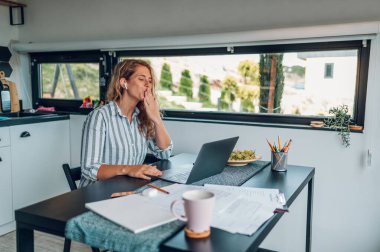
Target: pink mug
x,y
198,205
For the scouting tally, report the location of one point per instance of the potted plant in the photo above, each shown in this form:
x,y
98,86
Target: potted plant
x,y
340,121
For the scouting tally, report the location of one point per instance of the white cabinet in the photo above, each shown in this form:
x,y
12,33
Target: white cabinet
x,y
38,152
6,210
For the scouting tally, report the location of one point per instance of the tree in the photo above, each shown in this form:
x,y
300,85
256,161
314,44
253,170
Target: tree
x,y
299,70
271,82
186,84
229,93
247,96
250,72
166,79
204,89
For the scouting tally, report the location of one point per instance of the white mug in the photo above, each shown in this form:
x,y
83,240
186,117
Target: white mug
x,y
198,205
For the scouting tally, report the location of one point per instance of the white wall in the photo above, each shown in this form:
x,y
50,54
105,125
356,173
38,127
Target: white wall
x,y
19,62
7,32
346,202
71,20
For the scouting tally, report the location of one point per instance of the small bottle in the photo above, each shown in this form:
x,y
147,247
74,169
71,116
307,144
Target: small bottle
x,y
5,97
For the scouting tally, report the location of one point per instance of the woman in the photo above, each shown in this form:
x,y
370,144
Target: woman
x,y
116,136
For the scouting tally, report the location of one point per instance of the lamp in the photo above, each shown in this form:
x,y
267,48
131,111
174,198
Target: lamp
x,y
16,15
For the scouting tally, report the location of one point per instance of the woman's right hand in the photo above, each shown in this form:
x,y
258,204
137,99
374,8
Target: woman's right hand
x,y
141,171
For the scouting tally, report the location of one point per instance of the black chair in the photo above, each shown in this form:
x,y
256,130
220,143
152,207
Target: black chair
x,y
72,175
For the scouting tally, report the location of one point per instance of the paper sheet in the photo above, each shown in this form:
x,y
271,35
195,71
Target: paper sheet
x,y
235,211
243,216
263,195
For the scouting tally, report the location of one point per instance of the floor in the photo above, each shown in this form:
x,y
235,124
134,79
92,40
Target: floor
x,y
42,243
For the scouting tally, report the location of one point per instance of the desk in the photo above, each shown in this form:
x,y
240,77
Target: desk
x,y
51,215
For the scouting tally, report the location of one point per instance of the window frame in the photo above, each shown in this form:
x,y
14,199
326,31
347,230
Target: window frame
x,y
360,86
69,105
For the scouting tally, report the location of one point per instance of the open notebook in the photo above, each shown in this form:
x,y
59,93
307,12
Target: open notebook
x,y
135,212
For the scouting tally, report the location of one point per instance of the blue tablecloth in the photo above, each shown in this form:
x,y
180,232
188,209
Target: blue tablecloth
x,y
99,232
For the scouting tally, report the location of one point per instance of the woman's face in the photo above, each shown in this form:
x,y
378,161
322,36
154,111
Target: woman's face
x,y
139,83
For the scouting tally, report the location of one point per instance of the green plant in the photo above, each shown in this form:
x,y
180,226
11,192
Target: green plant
x,y
186,84
340,122
229,93
249,70
204,90
166,80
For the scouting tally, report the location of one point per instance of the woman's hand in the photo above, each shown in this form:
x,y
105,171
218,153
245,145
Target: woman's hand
x,y
141,171
151,106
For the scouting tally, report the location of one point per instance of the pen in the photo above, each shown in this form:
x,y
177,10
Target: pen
x,y
157,188
119,194
286,148
283,148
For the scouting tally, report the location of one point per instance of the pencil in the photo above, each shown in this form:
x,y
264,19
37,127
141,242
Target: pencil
x,y
157,188
271,146
290,141
279,143
119,194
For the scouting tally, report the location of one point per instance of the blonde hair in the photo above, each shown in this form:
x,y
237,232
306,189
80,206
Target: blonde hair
x,y
125,69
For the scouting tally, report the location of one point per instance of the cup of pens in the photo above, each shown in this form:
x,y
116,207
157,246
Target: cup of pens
x,y
279,155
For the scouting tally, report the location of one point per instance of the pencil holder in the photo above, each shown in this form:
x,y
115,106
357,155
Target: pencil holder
x,y
279,161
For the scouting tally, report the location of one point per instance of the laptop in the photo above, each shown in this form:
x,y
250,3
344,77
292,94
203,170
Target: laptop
x,y
188,168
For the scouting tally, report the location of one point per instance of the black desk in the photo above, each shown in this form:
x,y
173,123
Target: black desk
x,y
51,215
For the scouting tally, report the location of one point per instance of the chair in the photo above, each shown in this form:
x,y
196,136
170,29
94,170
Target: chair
x,y
150,158
72,175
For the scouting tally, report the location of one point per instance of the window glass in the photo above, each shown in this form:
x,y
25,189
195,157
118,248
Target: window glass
x,y
69,80
329,68
294,83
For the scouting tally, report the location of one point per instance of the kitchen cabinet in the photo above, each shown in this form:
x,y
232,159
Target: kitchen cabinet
x,y
38,151
6,210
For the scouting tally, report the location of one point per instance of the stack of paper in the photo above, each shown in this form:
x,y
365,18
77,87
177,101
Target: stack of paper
x,y
248,210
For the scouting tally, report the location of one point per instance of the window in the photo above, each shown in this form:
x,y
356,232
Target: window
x,y
70,80
64,79
278,84
329,70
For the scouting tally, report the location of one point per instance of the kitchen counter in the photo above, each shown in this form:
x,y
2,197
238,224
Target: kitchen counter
x,y
11,119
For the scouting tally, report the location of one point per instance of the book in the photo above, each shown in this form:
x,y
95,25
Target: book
x,y
134,212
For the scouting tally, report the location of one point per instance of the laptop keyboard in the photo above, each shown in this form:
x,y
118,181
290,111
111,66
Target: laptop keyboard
x,y
182,177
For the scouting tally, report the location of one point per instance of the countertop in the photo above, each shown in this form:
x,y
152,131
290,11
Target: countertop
x,y
11,119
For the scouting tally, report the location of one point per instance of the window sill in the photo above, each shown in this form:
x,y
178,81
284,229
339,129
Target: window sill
x,y
258,124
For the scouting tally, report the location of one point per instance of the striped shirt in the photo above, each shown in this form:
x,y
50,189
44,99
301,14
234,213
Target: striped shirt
x,y
109,138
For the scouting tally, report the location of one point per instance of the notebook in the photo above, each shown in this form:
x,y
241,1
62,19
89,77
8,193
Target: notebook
x,y
188,168
135,212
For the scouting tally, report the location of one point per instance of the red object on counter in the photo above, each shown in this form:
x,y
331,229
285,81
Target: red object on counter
x,y
49,109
